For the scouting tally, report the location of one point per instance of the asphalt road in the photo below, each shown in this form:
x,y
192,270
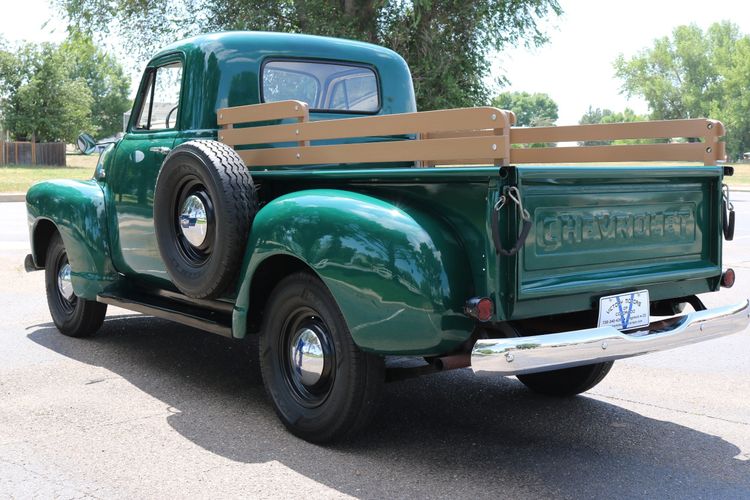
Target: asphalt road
x,y
152,409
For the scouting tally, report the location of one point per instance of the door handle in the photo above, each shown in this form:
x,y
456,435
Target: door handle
x,y
162,150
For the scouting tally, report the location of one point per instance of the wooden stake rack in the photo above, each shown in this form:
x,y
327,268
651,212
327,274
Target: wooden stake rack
x,y
483,135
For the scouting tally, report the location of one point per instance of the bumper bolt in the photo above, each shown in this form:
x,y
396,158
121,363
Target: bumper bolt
x,y
509,357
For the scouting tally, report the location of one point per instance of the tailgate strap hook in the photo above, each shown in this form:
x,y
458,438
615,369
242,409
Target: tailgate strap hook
x,y
727,214
510,193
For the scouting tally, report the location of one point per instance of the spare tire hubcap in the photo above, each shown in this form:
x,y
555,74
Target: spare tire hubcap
x,y
193,220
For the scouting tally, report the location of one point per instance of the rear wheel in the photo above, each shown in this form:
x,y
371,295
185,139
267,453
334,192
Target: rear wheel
x,y
323,387
568,381
72,315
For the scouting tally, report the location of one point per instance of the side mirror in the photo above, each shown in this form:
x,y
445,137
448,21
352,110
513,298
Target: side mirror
x,y
86,144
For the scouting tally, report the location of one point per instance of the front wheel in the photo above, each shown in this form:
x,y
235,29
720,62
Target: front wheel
x,y
323,387
72,315
568,381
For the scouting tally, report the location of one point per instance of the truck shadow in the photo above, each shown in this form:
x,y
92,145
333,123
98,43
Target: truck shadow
x,y
451,433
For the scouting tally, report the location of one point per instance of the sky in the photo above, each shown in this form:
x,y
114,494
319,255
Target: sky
x,y
574,68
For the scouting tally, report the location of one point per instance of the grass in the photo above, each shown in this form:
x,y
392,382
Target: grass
x,y
18,178
741,175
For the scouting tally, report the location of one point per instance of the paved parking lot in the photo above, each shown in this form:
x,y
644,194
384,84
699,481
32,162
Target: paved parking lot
x,y
152,409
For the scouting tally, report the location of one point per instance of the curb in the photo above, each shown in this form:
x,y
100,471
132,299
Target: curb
x,y
12,197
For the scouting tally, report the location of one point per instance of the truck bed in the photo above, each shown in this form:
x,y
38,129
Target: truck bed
x,y
595,229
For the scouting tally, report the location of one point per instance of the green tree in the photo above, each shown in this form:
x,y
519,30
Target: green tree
x,y
445,42
57,92
105,79
532,110
598,115
695,73
15,63
39,97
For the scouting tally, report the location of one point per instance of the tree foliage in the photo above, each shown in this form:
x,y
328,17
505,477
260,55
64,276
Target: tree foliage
x,y
445,42
104,77
56,92
532,110
696,73
39,98
597,115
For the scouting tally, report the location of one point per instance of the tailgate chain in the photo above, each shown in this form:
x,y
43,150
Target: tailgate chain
x,y
510,193
727,214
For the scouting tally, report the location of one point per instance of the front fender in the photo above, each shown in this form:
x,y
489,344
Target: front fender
x,y
77,210
398,275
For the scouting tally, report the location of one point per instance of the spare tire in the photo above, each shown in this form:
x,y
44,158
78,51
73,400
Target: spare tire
x,y
204,203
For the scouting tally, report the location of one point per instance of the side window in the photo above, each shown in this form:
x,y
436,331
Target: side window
x,y
146,106
162,98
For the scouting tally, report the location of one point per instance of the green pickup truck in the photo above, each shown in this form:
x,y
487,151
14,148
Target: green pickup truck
x,y
285,186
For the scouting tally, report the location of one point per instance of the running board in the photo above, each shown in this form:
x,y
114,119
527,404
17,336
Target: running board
x,y
211,320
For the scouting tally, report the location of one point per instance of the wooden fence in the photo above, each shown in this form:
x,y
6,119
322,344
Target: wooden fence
x,y
32,153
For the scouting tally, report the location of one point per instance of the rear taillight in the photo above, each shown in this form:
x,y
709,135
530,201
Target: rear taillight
x,y
480,308
727,279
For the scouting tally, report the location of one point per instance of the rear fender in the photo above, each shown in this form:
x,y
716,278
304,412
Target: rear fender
x,y
77,211
398,275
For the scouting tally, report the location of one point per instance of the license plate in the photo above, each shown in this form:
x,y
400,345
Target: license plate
x,y
625,311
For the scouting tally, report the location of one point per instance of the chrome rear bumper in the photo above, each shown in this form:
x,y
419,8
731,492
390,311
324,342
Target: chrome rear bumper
x,y
538,353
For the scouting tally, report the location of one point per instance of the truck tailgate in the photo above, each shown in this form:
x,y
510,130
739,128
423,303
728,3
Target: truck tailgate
x,y
603,230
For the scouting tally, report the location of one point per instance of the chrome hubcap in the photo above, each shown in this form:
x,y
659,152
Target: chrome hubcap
x,y
307,357
193,220
64,283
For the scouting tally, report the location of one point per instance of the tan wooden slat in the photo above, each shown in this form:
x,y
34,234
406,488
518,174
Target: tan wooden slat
x,y
262,112
663,129
427,150
666,129
693,151
459,133
407,123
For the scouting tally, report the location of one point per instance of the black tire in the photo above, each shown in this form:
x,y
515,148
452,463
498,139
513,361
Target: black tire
x,y
346,395
214,174
568,381
72,315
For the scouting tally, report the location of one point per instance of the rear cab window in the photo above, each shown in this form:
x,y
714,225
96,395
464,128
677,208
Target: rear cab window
x,y
325,86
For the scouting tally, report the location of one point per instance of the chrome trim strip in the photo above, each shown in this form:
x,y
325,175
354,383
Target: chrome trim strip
x,y
538,353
